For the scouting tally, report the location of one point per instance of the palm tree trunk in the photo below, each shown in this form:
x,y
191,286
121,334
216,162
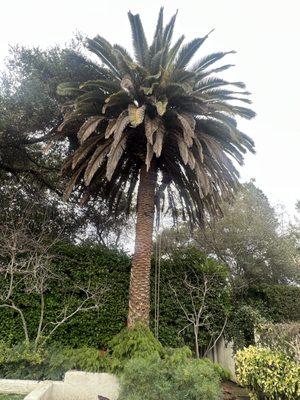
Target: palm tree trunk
x,y
139,296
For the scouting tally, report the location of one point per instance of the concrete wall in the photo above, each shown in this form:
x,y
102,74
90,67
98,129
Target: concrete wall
x,y
77,385
223,354
85,386
19,386
42,392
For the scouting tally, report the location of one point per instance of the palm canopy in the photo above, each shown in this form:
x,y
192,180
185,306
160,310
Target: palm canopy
x,y
158,110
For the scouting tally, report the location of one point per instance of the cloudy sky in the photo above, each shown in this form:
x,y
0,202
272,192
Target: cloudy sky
x,y
266,35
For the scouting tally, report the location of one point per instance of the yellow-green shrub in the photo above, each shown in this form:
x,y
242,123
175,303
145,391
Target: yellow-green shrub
x,y
270,375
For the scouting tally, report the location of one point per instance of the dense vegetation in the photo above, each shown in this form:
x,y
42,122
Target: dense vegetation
x,y
269,374
244,267
111,268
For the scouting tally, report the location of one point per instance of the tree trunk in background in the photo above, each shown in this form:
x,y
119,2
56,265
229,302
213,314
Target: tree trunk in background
x,y
139,294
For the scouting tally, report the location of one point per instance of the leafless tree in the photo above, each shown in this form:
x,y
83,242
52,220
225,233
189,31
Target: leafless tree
x,y
196,313
26,265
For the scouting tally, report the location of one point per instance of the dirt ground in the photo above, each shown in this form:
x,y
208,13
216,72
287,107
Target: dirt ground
x,y
234,392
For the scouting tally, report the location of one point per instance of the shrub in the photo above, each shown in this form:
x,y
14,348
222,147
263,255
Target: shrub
x,y
23,362
278,303
270,375
224,374
133,343
169,379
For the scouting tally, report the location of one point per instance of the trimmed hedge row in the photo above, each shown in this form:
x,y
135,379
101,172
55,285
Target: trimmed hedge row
x,y
112,269
279,303
78,264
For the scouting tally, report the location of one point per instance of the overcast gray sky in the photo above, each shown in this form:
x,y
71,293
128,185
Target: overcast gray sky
x,y
266,35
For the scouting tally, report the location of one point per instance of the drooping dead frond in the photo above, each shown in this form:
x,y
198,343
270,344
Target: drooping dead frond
x,y
88,128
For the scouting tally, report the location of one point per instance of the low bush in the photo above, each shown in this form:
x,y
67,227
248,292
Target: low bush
x,y
22,361
224,374
270,375
172,376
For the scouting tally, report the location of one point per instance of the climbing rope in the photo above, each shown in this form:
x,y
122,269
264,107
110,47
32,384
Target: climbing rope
x,y
157,277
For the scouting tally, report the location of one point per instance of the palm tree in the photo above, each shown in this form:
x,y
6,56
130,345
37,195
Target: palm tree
x,y
156,122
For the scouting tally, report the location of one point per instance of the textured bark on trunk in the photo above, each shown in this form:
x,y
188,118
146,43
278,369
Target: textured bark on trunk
x,y
139,295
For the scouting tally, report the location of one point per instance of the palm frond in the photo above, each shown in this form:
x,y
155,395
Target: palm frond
x,y
168,31
104,50
123,51
157,39
69,89
174,50
187,52
88,128
140,44
206,61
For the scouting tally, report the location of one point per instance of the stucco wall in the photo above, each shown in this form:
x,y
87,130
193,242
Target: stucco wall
x,y
223,354
19,386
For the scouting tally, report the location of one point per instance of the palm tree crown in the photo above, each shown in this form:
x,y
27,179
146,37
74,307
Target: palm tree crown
x,y
158,110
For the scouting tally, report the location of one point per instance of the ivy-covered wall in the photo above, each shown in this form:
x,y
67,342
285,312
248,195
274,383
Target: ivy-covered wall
x,y
111,268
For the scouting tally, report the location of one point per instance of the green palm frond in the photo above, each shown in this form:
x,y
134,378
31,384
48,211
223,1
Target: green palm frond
x,y
188,51
139,39
158,35
206,61
69,89
168,31
123,51
174,50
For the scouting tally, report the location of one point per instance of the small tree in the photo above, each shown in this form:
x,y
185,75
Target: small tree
x,y
202,283
26,266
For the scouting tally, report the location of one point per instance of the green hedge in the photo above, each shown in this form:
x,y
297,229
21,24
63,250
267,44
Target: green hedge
x,y
167,378
78,264
112,268
279,303
261,304
174,268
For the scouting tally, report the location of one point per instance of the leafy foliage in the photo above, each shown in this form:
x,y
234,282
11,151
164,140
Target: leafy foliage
x,y
259,305
270,375
165,378
29,160
189,263
76,265
242,324
29,111
155,109
248,239
281,303
22,361
111,267
138,342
